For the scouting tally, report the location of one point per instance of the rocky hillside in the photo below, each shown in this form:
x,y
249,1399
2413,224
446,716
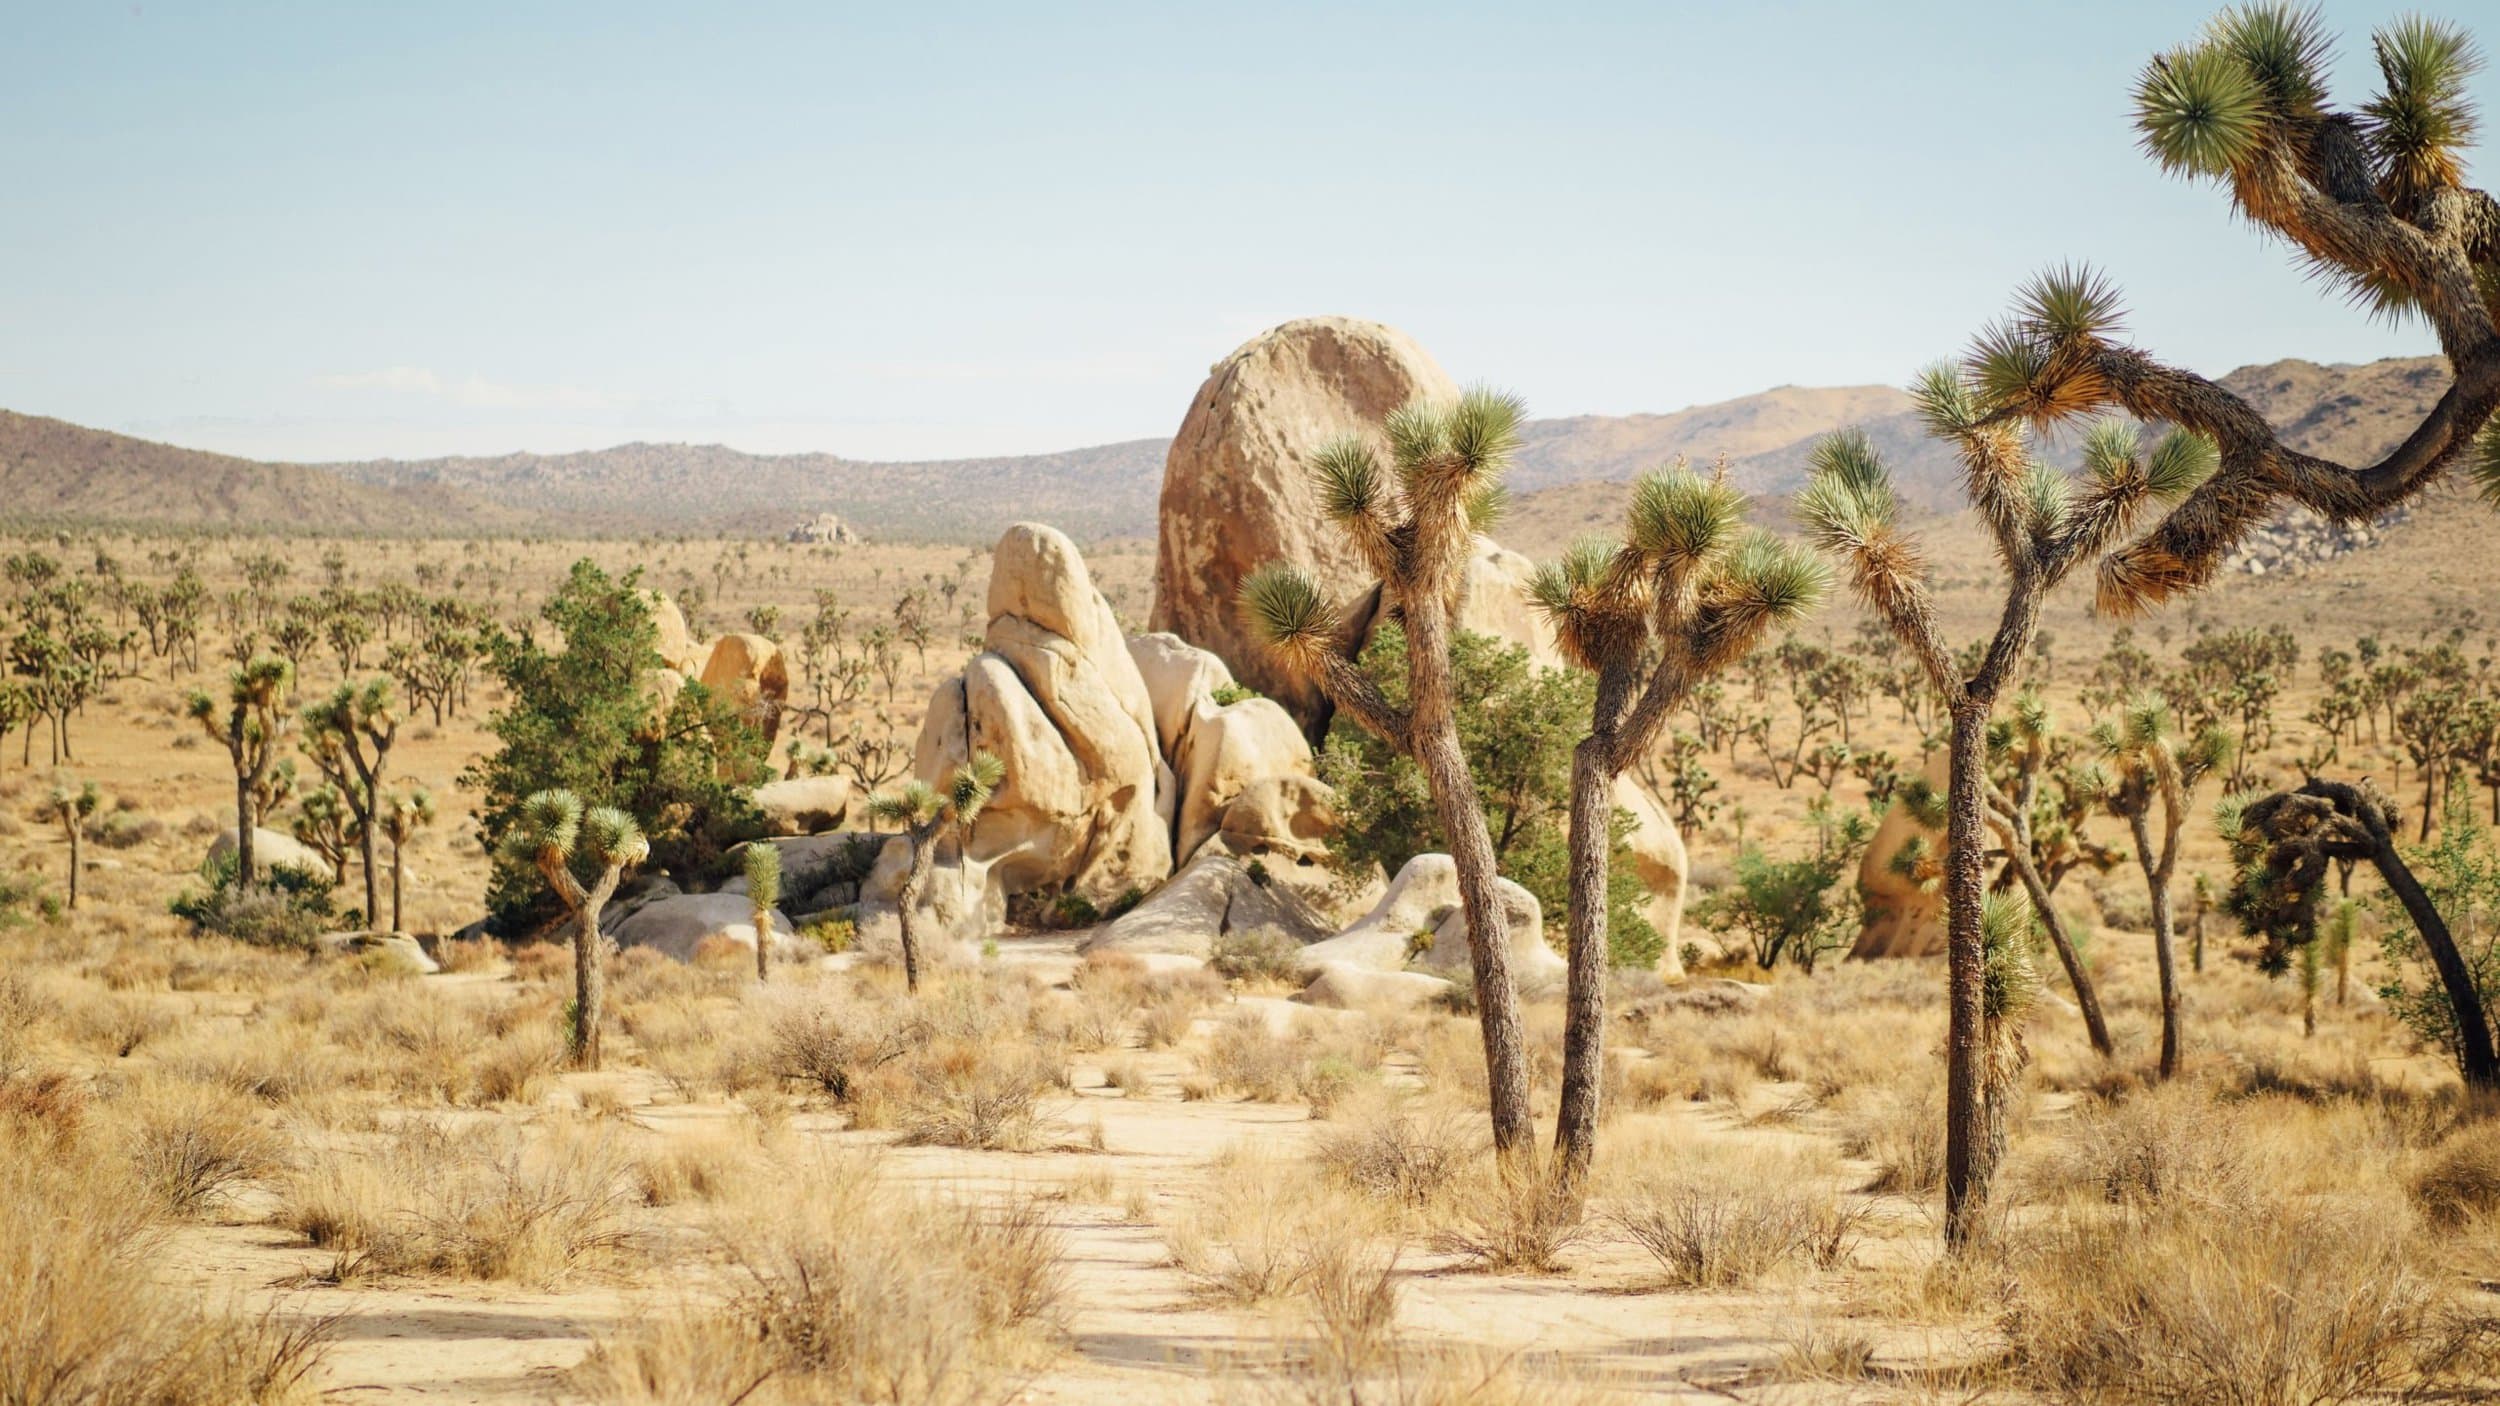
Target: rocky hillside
x,y
52,471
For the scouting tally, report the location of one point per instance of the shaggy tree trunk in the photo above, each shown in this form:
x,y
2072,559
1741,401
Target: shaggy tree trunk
x,y
1584,1028
923,853
245,822
1968,1165
2157,885
589,986
72,827
1444,765
763,939
399,866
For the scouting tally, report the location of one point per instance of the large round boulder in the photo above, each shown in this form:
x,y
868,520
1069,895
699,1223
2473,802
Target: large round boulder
x,y
675,927
272,850
804,805
1420,923
1237,489
749,672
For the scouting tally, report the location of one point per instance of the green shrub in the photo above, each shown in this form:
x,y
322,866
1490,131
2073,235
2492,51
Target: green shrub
x,y
288,908
1255,954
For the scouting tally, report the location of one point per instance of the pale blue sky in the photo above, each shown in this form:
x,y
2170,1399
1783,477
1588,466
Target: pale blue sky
x,y
922,230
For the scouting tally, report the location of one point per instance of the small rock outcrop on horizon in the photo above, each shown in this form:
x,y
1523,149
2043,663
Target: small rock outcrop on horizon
x,y
823,528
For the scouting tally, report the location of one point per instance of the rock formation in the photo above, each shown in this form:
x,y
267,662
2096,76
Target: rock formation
x,y
1418,924
272,849
677,926
823,528
749,672
804,805
1236,490
1903,918
1220,752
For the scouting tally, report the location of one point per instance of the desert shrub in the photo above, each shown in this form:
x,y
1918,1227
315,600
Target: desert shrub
x,y
978,1094
1391,1149
84,1322
192,1146
2459,1181
469,954
2261,1305
481,1203
1730,1224
2460,870
1262,1227
2170,1143
1246,1055
830,1044
1794,909
288,908
122,829
1506,1223
1255,954
845,1288
1901,1130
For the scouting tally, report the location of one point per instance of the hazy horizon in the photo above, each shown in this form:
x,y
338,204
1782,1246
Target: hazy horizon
x,y
316,236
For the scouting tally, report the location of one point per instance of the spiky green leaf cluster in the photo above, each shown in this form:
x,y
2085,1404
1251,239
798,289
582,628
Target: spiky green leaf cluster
x,y
2181,461
2283,48
2200,110
2483,467
2010,936
1285,608
2070,301
1848,497
2425,114
1772,579
760,864
1350,482
1678,519
611,837
550,821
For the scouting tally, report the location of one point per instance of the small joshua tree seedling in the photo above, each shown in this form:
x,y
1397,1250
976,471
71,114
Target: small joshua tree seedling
x,y
2156,766
250,727
761,863
71,805
556,835
924,812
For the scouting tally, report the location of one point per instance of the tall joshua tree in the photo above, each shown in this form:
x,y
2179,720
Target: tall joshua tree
x,y
1654,616
2157,766
71,805
923,812
2375,202
761,864
250,727
2044,525
555,834
1414,520
349,736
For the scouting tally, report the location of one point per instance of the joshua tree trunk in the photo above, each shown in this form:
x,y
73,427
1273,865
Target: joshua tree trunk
x,y
763,945
72,826
1584,1028
590,970
923,854
2157,884
1968,1163
398,870
245,822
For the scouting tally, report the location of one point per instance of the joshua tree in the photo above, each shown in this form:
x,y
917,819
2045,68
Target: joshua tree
x,y
403,815
555,834
2157,766
1413,520
923,812
17,710
71,805
254,721
1681,597
762,865
2044,526
349,736
2283,843
2042,831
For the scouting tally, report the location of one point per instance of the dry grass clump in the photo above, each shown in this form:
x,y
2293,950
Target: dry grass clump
x,y
846,1288
83,1322
2167,1143
966,1092
2458,1182
1505,1223
1717,1217
1395,1149
2259,1305
481,1203
1246,1055
1262,1228
193,1146
471,954
1901,1130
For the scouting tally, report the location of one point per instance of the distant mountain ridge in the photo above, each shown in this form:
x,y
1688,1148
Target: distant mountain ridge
x,y
52,471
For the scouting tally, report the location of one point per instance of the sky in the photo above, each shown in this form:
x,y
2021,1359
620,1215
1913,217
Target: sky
x,y
925,230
